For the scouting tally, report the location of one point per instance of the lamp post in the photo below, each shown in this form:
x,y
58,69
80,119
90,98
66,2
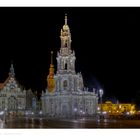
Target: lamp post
x,y
75,111
40,113
101,94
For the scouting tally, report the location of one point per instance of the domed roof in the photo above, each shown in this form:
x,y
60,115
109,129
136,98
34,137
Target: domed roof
x,y
65,27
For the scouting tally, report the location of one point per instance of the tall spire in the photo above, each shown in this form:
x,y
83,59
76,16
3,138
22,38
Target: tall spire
x,y
51,57
50,78
65,19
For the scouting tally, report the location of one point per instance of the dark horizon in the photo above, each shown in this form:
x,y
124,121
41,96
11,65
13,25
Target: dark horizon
x,y
105,42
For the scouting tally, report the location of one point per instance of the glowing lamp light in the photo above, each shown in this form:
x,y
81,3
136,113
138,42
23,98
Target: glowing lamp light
x,y
40,112
127,113
83,112
104,112
2,112
75,109
101,92
98,108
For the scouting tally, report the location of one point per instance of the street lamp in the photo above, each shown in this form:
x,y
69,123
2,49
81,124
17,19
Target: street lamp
x,y
101,94
83,114
75,110
40,113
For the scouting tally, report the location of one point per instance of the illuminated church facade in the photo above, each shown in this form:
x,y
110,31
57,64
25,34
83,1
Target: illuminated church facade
x,y
66,95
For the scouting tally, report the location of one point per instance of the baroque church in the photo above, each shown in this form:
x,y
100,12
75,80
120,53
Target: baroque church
x,y
13,98
66,96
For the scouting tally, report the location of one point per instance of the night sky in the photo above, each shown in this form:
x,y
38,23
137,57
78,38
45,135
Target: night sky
x,y
106,42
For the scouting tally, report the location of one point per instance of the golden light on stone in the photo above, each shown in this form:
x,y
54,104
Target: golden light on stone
x,y
50,78
111,108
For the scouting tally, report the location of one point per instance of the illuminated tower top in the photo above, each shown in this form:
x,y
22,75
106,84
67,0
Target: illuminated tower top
x,y
65,57
65,37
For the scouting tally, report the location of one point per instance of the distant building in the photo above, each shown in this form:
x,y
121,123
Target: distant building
x,y
30,97
13,98
110,108
36,104
65,95
39,106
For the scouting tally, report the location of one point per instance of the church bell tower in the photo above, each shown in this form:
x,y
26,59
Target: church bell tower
x,y
65,57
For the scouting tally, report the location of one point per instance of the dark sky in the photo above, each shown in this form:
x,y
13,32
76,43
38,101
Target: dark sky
x,y
106,42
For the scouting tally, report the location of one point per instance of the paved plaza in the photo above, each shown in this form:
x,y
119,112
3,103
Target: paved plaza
x,y
34,122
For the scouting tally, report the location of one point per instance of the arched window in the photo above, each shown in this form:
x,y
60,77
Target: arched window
x,y
66,43
65,66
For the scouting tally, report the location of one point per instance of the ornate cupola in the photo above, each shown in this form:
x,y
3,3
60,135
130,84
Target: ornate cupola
x,y
65,37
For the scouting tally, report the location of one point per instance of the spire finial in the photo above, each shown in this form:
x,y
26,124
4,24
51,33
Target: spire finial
x,y
65,19
51,57
12,73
